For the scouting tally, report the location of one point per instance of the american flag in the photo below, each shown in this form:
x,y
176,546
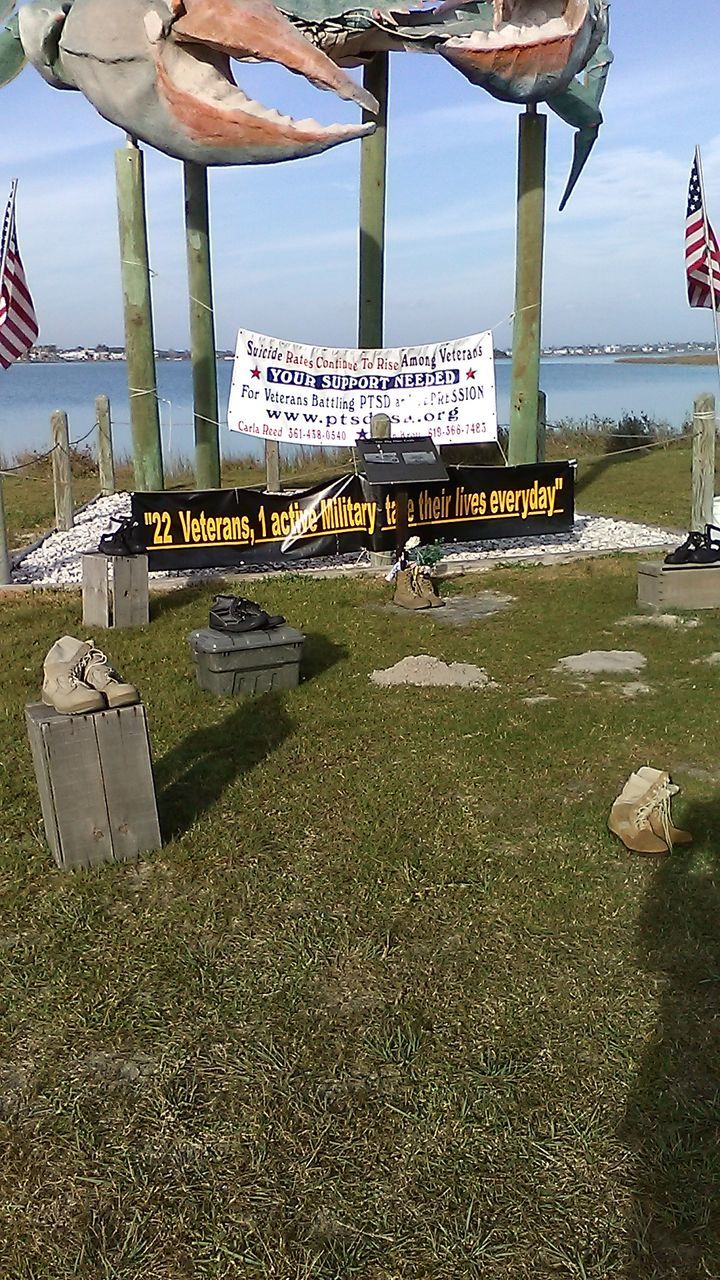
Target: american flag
x,y
18,323
702,255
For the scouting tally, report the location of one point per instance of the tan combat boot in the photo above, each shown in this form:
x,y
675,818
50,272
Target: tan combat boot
x,y
428,590
407,596
630,816
97,672
63,685
660,819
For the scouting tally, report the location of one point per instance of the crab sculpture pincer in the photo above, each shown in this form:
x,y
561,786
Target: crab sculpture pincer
x,y
161,69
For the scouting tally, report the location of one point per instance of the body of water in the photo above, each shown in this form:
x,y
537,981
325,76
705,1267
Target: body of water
x,y
576,387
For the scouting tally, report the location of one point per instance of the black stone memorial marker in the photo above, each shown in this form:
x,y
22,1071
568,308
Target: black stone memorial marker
x,y
400,464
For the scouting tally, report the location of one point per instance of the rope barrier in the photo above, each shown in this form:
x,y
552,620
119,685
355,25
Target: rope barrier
x,y
40,457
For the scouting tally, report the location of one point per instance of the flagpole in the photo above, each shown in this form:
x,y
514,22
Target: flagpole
x,y
10,214
711,276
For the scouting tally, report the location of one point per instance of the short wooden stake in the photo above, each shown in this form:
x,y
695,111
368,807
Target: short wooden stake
x,y
380,430
106,465
272,467
62,473
5,574
703,463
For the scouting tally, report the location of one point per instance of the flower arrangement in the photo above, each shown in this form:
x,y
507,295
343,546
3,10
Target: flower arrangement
x,y
413,554
428,555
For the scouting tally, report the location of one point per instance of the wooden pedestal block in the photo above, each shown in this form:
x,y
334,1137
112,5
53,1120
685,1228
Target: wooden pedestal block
x,y
667,588
94,775
120,599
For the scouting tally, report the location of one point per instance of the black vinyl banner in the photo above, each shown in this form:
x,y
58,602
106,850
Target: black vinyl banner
x,y
222,528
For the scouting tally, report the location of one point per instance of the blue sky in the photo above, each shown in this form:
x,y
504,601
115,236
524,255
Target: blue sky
x,y
284,236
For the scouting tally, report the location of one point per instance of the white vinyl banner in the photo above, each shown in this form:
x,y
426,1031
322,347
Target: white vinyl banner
x,y
329,396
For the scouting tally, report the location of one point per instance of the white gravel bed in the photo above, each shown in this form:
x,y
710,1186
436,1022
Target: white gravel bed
x,y
56,561
590,533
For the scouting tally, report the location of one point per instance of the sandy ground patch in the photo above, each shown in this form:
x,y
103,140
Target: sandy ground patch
x,y
422,669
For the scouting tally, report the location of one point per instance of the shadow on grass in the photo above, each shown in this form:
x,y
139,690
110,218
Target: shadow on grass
x,y
672,1122
593,470
194,775
168,601
319,654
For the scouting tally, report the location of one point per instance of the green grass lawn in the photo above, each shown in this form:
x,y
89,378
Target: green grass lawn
x,y
653,487
390,1003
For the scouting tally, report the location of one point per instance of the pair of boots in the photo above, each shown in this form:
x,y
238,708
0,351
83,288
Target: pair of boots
x,y
236,614
415,589
641,814
127,540
78,678
697,549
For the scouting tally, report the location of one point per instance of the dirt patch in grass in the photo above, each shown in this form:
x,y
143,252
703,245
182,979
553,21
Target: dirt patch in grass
x,y
429,672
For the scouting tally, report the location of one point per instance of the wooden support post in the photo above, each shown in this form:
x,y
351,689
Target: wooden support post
x,y
202,327
380,430
5,572
272,467
525,385
703,463
62,473
137,307
541,426
106,464
401,521
373,166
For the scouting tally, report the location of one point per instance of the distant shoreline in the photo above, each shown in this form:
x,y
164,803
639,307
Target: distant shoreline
x,y
708,359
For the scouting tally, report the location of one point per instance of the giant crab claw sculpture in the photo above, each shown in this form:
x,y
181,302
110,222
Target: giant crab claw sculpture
x,y
162,73
160,69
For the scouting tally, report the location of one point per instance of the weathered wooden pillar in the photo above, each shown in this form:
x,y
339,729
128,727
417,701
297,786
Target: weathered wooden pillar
x,y
5,573
373,167
62,471
272,467
106,465
137,307
202,327
380,430
703,463
525,384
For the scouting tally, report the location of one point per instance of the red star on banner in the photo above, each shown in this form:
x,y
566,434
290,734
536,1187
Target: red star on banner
x,y
255,373
470,373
